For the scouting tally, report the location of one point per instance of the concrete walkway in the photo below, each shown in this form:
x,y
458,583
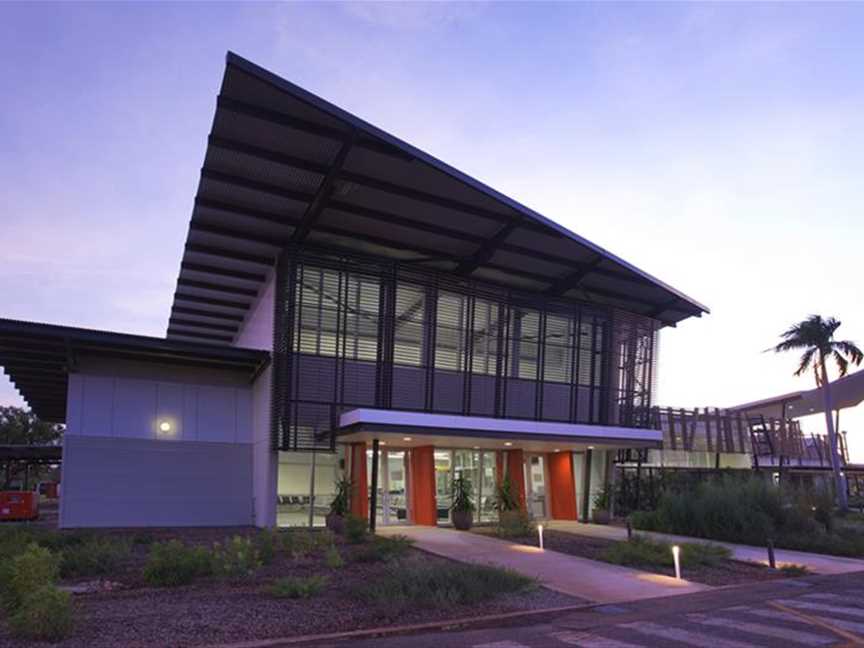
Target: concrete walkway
x,y
817,563
597,582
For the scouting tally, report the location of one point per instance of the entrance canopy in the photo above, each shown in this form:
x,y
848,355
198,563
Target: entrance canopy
x,y
285,168
407,429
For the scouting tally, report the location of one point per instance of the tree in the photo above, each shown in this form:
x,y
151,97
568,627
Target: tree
x,y
815,336
22,427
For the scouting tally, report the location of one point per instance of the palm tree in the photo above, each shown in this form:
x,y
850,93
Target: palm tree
x,y
816,337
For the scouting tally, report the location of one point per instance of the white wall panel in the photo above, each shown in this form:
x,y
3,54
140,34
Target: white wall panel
x,y
97,399
134,412
170,409
217,414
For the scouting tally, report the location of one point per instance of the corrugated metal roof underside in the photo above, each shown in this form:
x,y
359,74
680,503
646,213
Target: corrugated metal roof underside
x,y
284,166
39,357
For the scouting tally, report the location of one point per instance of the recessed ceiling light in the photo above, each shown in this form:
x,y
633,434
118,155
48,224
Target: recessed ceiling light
x,y
590,447
557,449
476,447
406,438
507,443
382,443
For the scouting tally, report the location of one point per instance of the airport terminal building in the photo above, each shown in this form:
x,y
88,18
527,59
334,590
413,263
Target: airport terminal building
x,y
348,304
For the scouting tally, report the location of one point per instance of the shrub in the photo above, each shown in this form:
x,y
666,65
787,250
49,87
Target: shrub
x,y
792,571
410,586
751,511
45,614
514,524
172,563
384,549
294,587
266,543
333,559
93,556
237,558
298,543
26,573
640,550
355,529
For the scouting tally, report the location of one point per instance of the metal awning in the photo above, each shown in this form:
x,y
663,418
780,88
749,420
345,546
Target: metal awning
x,y
284,167
406,429
846,392
39,357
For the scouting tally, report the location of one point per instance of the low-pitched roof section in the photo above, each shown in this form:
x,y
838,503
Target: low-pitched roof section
x,y
39,357
285,167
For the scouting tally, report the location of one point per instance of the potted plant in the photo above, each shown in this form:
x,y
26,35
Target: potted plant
x,y
512,520
601,513
462,508
335,519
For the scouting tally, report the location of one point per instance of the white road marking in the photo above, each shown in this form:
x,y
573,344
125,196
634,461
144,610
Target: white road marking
x,y
806,638
587,640
823,607
852,598
502,644
769,614
684,636
850,626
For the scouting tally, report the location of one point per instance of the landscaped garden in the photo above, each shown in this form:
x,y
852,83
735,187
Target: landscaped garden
x,y
753,511
197,586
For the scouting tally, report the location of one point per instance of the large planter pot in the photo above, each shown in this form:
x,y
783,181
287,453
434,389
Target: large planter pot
x,y
335,522
462,519
601,516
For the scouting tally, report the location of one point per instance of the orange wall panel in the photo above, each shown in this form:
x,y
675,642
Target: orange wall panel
x,y
359,481
424,508
562,487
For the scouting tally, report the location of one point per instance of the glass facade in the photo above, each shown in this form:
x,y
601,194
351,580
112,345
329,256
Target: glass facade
x,y
353,333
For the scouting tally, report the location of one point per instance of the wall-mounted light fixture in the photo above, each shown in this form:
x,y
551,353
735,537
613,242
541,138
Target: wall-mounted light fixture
x,y
165,427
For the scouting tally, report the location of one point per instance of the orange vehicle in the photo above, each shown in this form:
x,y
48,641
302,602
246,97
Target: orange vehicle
x,y
19,505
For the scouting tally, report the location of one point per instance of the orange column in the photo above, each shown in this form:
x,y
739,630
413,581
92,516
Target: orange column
x,y
424,509
562,486
359,482
515,470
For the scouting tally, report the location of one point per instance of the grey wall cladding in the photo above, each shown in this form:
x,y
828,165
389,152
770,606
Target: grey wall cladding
x,y
134,482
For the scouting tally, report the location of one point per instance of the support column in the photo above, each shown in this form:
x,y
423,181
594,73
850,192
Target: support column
x,y
516,472
373,494
424,507
562,486
359,484
586,487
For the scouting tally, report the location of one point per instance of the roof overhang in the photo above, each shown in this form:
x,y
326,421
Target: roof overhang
x,y
39,357
284,167
846,392
406,429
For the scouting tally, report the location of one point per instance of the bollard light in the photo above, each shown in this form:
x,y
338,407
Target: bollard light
x,y
540,534
676,555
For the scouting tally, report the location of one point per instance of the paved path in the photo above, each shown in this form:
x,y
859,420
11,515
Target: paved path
x,y
816,563
590,580
814,612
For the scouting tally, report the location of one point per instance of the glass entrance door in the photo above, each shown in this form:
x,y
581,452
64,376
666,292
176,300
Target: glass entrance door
x,y
536,469
392,497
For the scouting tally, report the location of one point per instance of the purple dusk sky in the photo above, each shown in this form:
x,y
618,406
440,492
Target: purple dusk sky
x,y
717,146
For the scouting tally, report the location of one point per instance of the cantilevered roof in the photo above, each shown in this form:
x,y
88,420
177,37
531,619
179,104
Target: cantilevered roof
x,y
38,358
846,392
283,167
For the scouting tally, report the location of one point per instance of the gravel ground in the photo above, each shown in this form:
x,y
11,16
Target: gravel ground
x,y
217,611
731,572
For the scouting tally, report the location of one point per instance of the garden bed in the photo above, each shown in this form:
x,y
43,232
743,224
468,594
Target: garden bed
x,y
723,571
341,587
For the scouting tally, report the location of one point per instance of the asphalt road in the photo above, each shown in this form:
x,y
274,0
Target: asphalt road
x,y
810,612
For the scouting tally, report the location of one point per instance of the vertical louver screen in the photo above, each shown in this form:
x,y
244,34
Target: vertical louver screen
x,y
352,333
